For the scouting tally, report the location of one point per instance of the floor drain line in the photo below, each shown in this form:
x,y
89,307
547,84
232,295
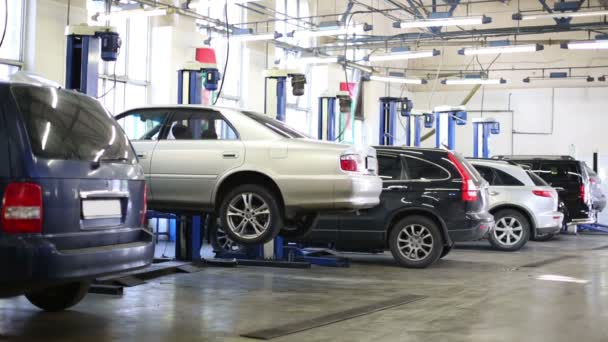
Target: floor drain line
x,y
292,328
549,261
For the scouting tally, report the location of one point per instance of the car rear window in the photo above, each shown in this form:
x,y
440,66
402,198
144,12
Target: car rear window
x,y
275,125
477,177
537,180
67,125
554,172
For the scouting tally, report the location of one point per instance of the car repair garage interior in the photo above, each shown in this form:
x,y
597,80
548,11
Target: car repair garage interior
x,y
303,170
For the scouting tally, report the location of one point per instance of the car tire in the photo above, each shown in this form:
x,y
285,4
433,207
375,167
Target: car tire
x,y
446,250
415,242
299,227
220,241
543,237
251,215
511,230
59,297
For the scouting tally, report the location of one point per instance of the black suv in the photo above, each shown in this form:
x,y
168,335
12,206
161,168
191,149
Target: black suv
x,y
569,176
73,196
431,199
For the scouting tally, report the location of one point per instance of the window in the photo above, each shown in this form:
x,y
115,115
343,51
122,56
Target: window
x,y
67,125
123,84
275,125
11,52
558,172
506,179
487,174
390,167
418,169
144,125
536,180
200,125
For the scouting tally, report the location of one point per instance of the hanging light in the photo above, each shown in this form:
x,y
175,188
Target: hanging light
x,y
586,44
561,76
330,30
249,37
398,54
399,80
474,80
130,14
502,49
320,59
439,22
208,3
577,14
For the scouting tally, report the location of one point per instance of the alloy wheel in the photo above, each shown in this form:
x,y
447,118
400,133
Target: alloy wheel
x,y
248,215
508,230
415,242
225,242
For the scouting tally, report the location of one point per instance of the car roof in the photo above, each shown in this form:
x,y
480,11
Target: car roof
x,y
535,157
408,148
512,169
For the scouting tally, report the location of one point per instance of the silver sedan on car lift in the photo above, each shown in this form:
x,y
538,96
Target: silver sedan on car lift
x,y
259,175
524,206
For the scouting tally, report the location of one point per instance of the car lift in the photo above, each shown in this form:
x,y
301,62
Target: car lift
x,y
326,129
483,128
85,44
389,106
446,118
278,253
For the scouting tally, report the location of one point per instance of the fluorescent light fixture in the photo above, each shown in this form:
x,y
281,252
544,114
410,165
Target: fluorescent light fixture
x,y
320,60
130,14
493,50
577,14
253,37
207,3
586,45
397,56
439,22
400,80
330,31
560,78
474,80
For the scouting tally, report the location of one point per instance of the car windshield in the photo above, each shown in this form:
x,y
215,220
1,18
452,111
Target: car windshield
x,y
276,126
70,126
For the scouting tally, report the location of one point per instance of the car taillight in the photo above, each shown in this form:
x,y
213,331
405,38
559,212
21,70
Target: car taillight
x,y
469,189
22,208
543,193
145,207
349,162
582,192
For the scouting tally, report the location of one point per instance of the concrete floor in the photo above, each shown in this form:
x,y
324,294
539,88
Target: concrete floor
x,y
474,294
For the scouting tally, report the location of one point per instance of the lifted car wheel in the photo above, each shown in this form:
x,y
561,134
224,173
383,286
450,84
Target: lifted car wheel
x,y
250,215
300,226
511,231
220,241
415,242
60,297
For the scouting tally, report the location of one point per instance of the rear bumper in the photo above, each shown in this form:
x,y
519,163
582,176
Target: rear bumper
x,y
35,261
549,223
479,225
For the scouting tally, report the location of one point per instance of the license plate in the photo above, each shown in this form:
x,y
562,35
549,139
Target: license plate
x,y
98,209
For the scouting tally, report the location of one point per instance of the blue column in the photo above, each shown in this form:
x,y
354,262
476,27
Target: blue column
x,y
476,140
417,130
408,131
281,98
451,131
486,140
391,122
331,119
438,130
382,124
320,122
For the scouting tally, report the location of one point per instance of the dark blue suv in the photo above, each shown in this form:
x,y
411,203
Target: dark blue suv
x,y
73,196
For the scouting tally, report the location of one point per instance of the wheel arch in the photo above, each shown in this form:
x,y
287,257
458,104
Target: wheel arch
x,y
245,177
399,215
517,208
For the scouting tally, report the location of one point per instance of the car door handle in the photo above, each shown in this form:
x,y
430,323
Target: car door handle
x,y
230,155
396,187
494,193
142,155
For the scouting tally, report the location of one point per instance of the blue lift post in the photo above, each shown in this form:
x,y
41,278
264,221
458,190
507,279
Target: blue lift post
x,y
388,115
326,128
483,128
446,119
417,119
189,237
84,49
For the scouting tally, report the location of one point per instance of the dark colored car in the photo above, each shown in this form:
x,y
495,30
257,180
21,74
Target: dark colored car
x,y
73,196
431,199
569,177
598,198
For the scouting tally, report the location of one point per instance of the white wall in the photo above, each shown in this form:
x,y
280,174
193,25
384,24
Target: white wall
x,y
565,117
